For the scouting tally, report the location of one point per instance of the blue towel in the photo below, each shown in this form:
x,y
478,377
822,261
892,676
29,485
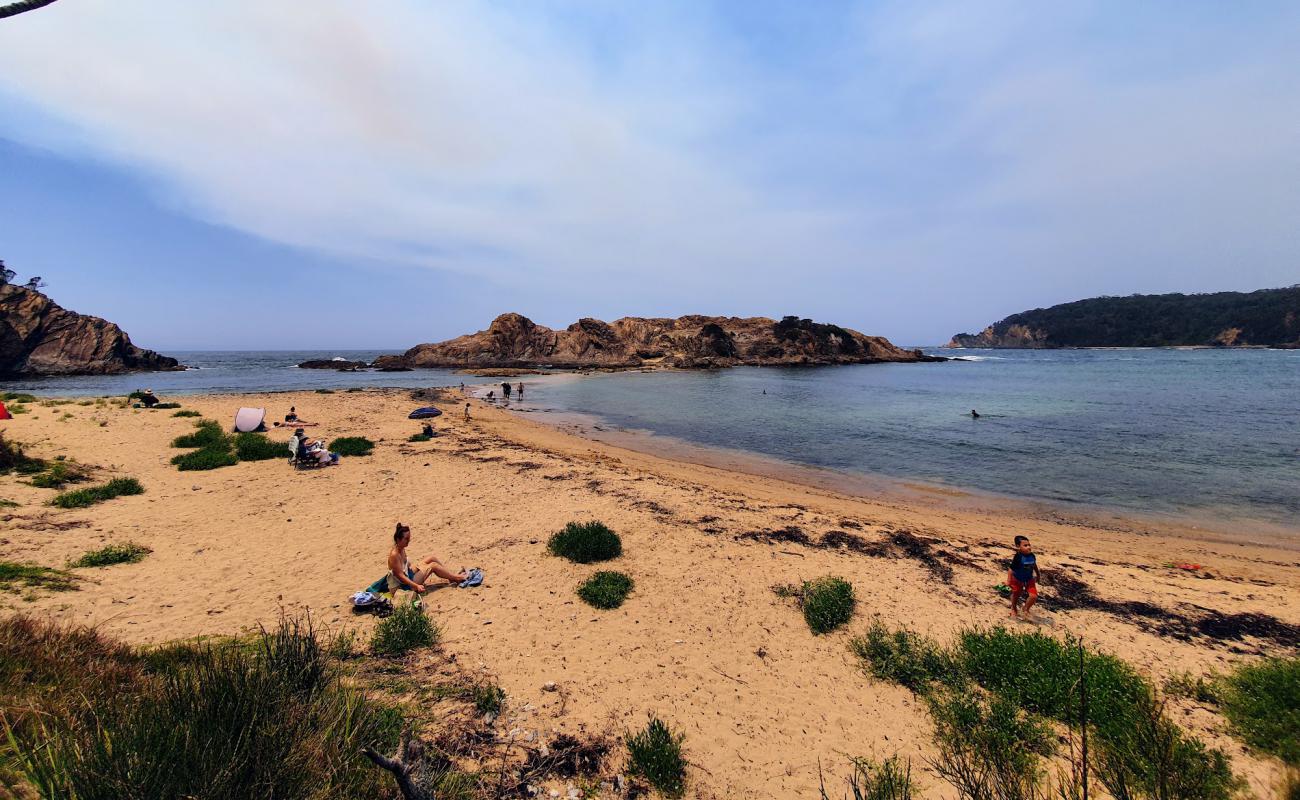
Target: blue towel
x,y
475,578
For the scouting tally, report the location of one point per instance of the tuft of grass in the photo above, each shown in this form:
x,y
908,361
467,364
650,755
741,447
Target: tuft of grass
x,y
1262,702
406,629
269,717
12,458
656,755
1184,684
355,389
586,542
904,657
1288,786
352,446
828,603
488,698
107,556
17,397
4,503
606,589
988,748
890,779
18,408
205,459
207,433
256,447
187,412
34,576
419,437
60,473
118,487
164,406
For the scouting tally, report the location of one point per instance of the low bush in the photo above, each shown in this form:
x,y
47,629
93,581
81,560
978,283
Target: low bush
x,y
18,408
187,412
34,576
419,437
406,629
988,748
905,657
270,718
205,459
256,447
1262,701
17,397
59,474
586,542
1184,684
12,458
656,755
605,589
828,603
890,779
488,698
352,446
207,433
118,487
125,553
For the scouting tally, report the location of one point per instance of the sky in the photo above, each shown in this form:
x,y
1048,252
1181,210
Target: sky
x,y
244,175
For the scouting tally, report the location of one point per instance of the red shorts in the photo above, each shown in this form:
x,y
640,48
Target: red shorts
x,y
1030,588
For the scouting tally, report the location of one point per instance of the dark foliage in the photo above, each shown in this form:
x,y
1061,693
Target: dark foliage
x,y
605,589
586,542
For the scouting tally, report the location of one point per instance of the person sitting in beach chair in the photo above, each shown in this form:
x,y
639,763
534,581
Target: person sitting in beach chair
x,y
402,576
309,453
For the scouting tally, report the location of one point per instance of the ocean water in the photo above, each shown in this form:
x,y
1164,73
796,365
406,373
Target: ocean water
x,y
1178,432
1181,432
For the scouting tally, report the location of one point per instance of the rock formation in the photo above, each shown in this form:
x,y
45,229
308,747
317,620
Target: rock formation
x,y
329,363
686,342
37,337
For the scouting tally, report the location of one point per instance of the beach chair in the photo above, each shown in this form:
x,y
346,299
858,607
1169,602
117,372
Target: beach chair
x,y
299,458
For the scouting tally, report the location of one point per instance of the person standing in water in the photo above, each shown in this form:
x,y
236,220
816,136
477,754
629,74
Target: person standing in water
x,y
520,390
505,389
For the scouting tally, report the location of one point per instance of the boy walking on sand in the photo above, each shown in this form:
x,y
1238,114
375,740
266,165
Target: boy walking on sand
x,y
1023,577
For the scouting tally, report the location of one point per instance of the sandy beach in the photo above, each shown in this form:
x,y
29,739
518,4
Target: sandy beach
x,y
703,641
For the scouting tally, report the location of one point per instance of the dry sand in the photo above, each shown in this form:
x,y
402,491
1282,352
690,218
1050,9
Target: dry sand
x,y
703,641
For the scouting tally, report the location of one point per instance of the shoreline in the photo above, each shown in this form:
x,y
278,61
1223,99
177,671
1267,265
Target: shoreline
x,y
238,546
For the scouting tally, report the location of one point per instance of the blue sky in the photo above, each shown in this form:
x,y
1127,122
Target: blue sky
x,y
243,175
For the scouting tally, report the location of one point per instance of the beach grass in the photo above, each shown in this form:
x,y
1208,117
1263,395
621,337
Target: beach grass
x,y
13,459
828,603
406,629
205,459
163,406
586,543
488,698
904,657
324,391
59,474
96,719
256,447
207,433
33,576
419,437
80,498
1262,702
889,779
17,397
124,553
655,754
605,589
988,747
351,446
187,412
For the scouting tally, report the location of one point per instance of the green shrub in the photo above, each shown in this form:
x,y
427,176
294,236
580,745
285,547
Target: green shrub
x,y
33,576
1288,786
905,657
187,412
256,447
890,779
125,553
1184,684
60,473
406,629
352,446
324,391
118,487
18,408
419,437
828,603
163,406
270,718
488,698
586,542
138,394
1262,701
988,748
205,459
605,589
207,433
656,755
17,397
12,458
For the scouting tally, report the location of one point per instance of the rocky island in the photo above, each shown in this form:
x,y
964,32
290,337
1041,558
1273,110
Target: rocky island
x,y
1266,318
38,337
690,342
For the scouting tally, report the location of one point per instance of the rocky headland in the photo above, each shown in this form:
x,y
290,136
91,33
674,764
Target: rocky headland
x,y
1266,318
690,342
38,337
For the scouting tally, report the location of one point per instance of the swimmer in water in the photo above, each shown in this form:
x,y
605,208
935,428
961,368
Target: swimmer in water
x,y
974,414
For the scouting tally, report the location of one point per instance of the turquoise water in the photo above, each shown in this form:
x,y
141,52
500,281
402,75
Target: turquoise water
x,y
1163,431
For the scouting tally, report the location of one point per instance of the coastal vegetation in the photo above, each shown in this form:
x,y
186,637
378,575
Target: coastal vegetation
x,y
605,589
352,446
80,498
60,473
889,779
827,603
586,543
419,437
187,412
404,630
257,447
33,576
216,448
1262,702
124,553
655,753
13,459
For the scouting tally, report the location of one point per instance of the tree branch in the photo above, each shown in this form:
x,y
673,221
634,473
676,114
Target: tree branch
x,y
14,9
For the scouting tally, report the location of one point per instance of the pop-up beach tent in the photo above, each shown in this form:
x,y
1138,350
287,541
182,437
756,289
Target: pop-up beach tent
x,y
4,412
249,419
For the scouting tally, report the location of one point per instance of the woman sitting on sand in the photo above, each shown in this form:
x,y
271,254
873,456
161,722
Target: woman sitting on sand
x,y
402,576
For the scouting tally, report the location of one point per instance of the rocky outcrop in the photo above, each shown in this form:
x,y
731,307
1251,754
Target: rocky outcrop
x,y
690,342
1012,336
38,337
329,363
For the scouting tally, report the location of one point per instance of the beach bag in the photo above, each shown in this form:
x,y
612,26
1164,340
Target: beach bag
x,y
371,603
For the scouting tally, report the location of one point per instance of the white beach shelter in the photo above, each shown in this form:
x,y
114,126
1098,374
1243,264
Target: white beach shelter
x,y
249,419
